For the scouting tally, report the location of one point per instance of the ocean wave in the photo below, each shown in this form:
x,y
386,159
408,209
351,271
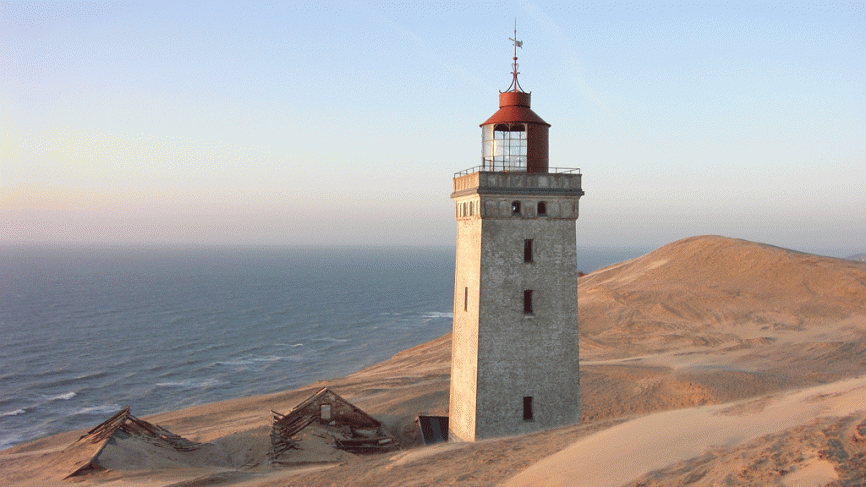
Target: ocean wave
x,y
232,363
293,345
328,339
96,410
235,363
13,413
267,358
192,383
96,374
8,441
65,381
241,362
62,397
437,314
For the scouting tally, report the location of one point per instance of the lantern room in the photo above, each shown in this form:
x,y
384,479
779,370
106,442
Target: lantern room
x,y
514,138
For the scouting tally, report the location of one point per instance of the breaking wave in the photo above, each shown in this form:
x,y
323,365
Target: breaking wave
x,y
249,361
96,410
437,314
63,397
13,413
192,383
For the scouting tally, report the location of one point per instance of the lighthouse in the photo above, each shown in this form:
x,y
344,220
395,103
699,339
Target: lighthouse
x,y
514,362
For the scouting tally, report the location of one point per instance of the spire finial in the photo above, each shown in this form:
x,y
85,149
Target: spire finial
x,y
515,86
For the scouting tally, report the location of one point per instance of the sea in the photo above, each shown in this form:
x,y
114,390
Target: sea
x,y
86,330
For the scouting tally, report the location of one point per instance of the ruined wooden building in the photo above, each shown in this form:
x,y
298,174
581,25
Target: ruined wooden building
x,y
352,429
122,426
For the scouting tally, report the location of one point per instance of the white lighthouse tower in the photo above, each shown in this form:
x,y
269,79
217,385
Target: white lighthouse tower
x,y
515,342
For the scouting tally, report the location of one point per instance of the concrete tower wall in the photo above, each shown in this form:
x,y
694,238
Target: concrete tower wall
x,y
527,354
504,353
464,348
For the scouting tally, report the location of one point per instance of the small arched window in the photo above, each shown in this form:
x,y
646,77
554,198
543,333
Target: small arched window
x,y
542,208
515,207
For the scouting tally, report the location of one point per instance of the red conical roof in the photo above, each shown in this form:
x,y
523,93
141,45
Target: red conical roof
x,y
514,108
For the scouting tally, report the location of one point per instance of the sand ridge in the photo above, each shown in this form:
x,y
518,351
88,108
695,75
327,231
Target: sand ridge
x,y
693,334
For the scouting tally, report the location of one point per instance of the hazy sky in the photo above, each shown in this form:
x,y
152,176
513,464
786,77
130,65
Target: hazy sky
x,y
343,122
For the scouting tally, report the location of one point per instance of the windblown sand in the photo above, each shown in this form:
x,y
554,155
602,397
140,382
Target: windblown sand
x,y
710,361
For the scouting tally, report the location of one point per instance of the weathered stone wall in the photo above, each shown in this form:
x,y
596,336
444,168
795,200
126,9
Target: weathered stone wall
x,y
520,354
464,348
500,353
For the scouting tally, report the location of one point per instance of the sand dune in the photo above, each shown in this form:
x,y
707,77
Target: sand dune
x,y
710,291
708,360
613,457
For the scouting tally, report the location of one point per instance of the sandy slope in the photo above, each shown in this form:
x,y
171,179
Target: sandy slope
x,y
699,324
613,457
711,291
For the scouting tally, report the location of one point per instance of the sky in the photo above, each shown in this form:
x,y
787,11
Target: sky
x,y
343,123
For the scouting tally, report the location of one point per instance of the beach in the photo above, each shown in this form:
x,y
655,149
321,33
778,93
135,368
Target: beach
x,y
707,360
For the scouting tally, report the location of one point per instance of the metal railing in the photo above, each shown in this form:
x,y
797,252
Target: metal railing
x,y
550,170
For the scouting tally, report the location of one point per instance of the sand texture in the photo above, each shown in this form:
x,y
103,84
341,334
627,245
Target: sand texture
x,y
710,361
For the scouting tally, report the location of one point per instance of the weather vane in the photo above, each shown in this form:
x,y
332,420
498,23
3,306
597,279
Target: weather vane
x,y
515,86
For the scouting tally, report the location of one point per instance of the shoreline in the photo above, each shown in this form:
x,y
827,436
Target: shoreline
x,y
673,343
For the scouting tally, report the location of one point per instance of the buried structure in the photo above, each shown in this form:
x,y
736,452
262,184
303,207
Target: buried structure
x,y
128,441
323,428
329,420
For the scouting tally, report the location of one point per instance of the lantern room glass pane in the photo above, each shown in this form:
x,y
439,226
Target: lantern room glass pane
x,y
504,147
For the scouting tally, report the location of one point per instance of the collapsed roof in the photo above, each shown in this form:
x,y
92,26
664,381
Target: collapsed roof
x,y
122,426
352,429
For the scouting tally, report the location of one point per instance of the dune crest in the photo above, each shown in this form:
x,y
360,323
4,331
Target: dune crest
x,y
710,290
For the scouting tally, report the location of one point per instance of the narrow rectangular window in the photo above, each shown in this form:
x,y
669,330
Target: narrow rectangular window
x,y
527,408
527,250
527,302
465,298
